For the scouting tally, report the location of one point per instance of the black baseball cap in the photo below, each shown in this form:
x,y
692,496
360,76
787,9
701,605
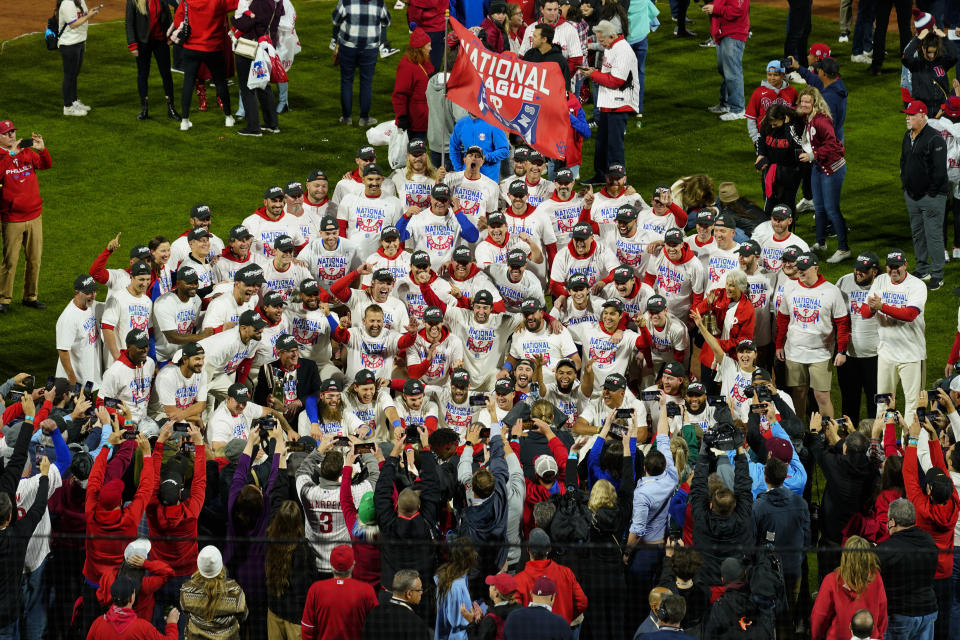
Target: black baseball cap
x,y
616,304
138,338
563,176
413,387
761,374
329,223
188,274
190,349
521,154
383,275
496,219
416,146
250,275
198,233
746,345
867,260
433,315
364,376
140,252
518,188
372,169
656,304
535,156
806,260
504,386
293,189
286,342
626,213
577,281
460,378
616,171
791,253
329,385
673,237
748,248
85,283
420,259
483,297
238,392
565,362
516,258
896,258
388,232
782,212
706,217
726,221
273,193
316,174
284,244
200,212
272,299
440,191
623,274
696,389
463,254
251,318
240,232
139,269
582,231
367,153
310,287
473,149
530,305
675,369
615,382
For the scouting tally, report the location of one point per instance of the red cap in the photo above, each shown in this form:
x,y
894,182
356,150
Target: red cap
x,y
914,108
504,582
6,125
341,558
543,586
952,106
820,50
419,38
111,496
780,449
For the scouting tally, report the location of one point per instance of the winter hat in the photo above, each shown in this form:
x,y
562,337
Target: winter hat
x,y
922,19
419,38
731,570
209,562
366,512
111,496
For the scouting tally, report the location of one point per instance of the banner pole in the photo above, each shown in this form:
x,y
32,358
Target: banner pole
x,y
446,78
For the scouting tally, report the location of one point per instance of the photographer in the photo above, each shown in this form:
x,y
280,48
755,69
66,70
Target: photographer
x,y
236,417
772,440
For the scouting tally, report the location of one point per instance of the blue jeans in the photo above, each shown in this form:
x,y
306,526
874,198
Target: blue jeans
x,y
169,596
35,596
611,128
863,28
826,202
910,628
640,50
955,606
730,68
351,60
11,631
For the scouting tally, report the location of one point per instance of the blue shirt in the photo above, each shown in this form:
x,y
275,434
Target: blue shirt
x,y
651,494
470,131
796,474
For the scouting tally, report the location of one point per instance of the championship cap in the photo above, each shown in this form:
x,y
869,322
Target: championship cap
x,y
286,342
675,369
330,385
535,157
726,221
530,305
420,259
383,275
503,386
187,274
140,269
240,232
367,153
496,219
806,260
518,188
521,154
200,212
329,223
413,387
372,169
626,213
474,149
272,299
615,382
273,193
251,318
440,191
563,176
389,232
516,258
433,315
656,304
673,237
250,275
706,217
460,378
616,171
85,284
696,389
867,260
190,349
416,147
746,345
140,252
781,212
483,297
198,233
293,189
623,274
463,254
791,253
577,281
748,248
582,231
615,304
364,376
896,258
137,338
316,174
284,244
239,392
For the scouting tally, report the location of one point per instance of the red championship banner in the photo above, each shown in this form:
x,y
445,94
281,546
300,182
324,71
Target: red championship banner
x,y
525,98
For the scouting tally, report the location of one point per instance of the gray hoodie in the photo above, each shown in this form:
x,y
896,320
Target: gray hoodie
x,y
443,114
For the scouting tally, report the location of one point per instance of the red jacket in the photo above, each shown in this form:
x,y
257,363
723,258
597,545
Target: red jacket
x,y
367,566
570,602
208,23
120,525
742,329
123,624
827,150
936,519
336,608
836,603
178,520
20,199
160,572
730,19
428,14
410,92
496,39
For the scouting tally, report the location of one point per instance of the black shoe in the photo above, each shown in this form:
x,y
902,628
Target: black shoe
x,y
686,33
934,283
172,112
143,115
250,132
34,304
271,129
4,307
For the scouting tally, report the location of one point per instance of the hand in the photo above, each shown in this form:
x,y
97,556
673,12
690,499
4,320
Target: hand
x,y
38,144
424,436
114,244
711,297
816,423
492,407
597,287
523,235
411,211
654,247
173,617
134,53
875,302
781,355
195,436
280,448
840,359
804,157
441,174
28,406
315,431
915,427
20,377
579,444
473,615
793,63
708,9
44,466
326,443
503,373
923,34
365,269
80,408
351,456
948,370
136,561
556,327
94,11
542,427
944,398
455,290
560,303
588,197
165,432
102,415
587,72
670,546
143,444
697,319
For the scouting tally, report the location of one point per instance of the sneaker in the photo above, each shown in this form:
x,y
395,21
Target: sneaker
x,y
639,120
844,36
946,256
185,124
73,111
861,58
367,122
934,283
925,277
386,52
718,108
333,44
686,33
81,106
733,115
804,206
229,121
346,121
592,123
708,43
956,253
271,129
251,133
795,78
839,256
818,247
399,6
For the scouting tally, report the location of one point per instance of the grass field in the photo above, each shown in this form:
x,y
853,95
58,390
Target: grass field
x,y
112,173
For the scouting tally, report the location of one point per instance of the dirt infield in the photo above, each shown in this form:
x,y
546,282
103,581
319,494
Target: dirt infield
x,y
32,17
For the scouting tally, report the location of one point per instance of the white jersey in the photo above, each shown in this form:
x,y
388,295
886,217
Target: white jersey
x,y
537,193
325,526
224,308
484,345
620,62
172,388
604,210
225,352
78,333
130,384
540,230
180,248
398,265
596,265
677,282
570,404
265,230
762,232
266,350
782,287
329,265
205,274
352,185
451,415
376,354
123,313
413,191
771,249
408,292
366,217
595,411
864,332
171,314
813,311
284,281
38,547
901,341
165,279
447,354
477,281
579,320
317,210
668,340
311,330
633,305
950,131
553,348
733,382
356,415
760,296
703,250
565,35
413,417
505,189
513,293
563,215
437,235
224,426
307,224
225,269
654,226
489,252
632,250
395,316
117,280
720,262
477,196
609,357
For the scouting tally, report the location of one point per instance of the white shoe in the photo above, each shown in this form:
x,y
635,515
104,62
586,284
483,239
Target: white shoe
x,y
229,121
839,256
333,44
185,124
79,105
399,6
733,115
73,111
709,42
861,58
844,37
946,256
795,78
818,247
718,109
386,52
804,206
956,253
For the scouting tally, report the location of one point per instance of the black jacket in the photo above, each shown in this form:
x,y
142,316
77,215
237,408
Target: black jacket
x,y
849,485
492,623
697,597
535,623
10,474
908,562
13,550
782,518
391,621
266,14
930,83
485,523
554,55
733,609
308,383
138,24
923,164
725,536
788,420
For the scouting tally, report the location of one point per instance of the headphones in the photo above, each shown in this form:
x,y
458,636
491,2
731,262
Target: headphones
x,y
662,609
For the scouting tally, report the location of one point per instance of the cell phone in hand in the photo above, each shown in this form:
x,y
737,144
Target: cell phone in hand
x,y
88,388
77,388
181,427
650,396
484,432
366,447
341,441
16,396
716,401
131,434
882,398
623,414
111,403
50,382
26,143
673,409
478,401
38,450
28,383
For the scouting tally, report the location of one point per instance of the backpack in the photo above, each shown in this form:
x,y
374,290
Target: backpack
x,y
765,577
572,521
52,35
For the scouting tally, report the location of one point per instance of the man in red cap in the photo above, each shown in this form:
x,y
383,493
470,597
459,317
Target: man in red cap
x,y
20,209
337,607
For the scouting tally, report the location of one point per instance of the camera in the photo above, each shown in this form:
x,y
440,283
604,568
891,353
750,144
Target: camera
x,y
26,143
650,396
38,450
28,383
187,447
412,435
723,436
16,396
763,393
759,407
88,389
50,382
921,413
673,409
674,537
716,401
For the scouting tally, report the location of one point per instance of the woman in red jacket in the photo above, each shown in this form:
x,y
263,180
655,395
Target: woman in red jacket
x,y
855,585
821,147
410,88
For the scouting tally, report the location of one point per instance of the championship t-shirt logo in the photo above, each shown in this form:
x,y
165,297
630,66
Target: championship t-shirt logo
x,y
439,237
806,309
469,200
601,352
90,327
371,360
668,280
369,219
139,316
185,321
567,218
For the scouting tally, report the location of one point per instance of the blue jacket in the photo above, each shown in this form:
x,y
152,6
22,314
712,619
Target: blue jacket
x,y
471,131
595,471
782,518
535,623
796,474
835,96
450,624
469,13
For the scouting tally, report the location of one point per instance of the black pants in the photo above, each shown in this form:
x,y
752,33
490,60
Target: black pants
x,y
904,19
91,607
945,597
218,70
160,51
251,98
858,378
784,189
682,6
806,169
953,203
62,569
798,32
72,57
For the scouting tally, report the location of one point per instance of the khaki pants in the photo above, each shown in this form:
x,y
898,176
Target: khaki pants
x,y
28,235
280,629
910,375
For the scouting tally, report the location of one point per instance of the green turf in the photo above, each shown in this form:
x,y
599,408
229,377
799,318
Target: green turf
x,y
112,173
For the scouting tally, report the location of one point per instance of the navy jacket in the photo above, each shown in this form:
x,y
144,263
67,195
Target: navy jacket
x,y
535,623
835,96
782,518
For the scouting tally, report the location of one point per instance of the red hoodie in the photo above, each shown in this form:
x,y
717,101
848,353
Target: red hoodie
x,y
20,199
208,23
730,19
123,624
836,603
936,519
742,329
570,601
178,520
160,572
367,567
536,492
120,525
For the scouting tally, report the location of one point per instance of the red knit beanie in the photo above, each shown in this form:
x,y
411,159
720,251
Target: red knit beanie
x,y
419,38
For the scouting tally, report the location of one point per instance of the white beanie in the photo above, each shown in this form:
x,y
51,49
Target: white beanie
x,y
209,562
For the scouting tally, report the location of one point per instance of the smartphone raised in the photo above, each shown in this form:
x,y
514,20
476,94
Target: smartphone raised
x,y
131,434
111,403
650,396
882,398
478,401
673,409
181,427
28,382
622,414
50,382
716,401
88,388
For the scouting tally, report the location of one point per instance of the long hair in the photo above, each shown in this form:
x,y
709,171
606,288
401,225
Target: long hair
x,y
777,111
417,55
698,191
613,9
681,453
463,558
819,104
858,565
213,590
430,171
247,509
602,495
287,525
153,245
